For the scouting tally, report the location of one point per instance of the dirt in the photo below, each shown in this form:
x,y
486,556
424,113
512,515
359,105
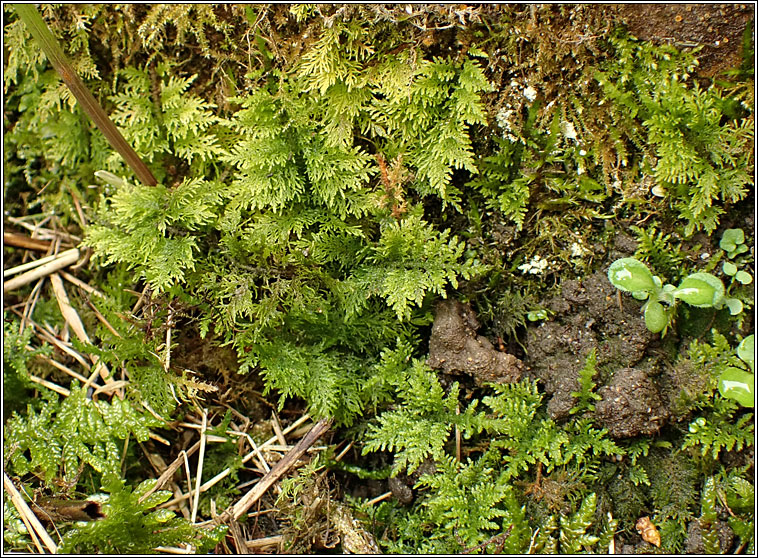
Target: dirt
x,y
455,347
717,28
695,544
630,405
590,315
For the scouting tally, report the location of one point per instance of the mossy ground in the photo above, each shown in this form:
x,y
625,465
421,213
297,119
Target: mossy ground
x,y
563,177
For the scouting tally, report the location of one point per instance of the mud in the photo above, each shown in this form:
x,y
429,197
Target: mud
x,y
455,347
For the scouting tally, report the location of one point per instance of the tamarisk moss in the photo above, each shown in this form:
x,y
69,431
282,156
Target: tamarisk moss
x,y
317,167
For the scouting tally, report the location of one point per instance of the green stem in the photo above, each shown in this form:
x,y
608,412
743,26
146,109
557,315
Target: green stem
x,y
39,30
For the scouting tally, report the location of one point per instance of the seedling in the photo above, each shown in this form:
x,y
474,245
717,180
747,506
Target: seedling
x,y
737,383
702,290
733,244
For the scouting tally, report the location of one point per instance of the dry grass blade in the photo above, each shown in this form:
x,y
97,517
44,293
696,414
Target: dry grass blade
x,y
69,313
59,262
49,385
59,366
170,470
75,323
41,261
28,514
199,475
265,542
81,284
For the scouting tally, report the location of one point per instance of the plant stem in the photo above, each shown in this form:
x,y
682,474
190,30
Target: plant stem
x,y
52,49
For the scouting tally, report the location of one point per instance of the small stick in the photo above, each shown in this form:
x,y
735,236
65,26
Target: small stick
x,y
379,498
60,366
200,460
41,261
278,471
278,430
50,385
81,284
22,241
62,260
263,543
26,512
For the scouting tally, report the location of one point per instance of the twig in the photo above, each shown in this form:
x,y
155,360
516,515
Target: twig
x,y
39,30
81,284
278,429
25,242
379,498
278,471
200,460
40,261
257,544
60,261
26,512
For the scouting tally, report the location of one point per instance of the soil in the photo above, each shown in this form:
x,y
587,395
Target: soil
x,y
455,347
630,405
589,314
717,28
695,544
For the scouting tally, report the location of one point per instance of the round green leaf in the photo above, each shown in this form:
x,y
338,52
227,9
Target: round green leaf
x,y
630,275
729,268
731,238
701,289
743,277
738,385
655,317
746,351
734,304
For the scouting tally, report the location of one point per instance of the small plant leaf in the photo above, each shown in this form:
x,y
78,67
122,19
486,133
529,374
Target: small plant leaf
x,y
734,304
729,268
655,317
731,239
746,351
738,385
743,277
701,289
630,275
